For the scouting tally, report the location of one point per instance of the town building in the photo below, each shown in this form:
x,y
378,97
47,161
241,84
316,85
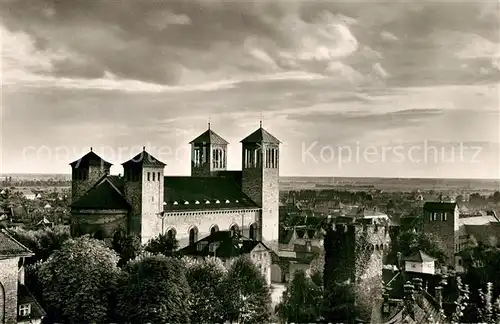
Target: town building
x,y
456,230
17,304
229,245
146,202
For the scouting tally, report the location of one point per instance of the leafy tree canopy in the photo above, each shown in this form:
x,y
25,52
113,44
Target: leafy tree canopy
x,y
248,298
410,242
162,244
154,289
206,280
78,281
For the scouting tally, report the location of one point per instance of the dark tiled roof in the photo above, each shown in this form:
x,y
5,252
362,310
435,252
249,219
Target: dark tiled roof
x,y
143,159
117,182
102,196
260,136
439,206
220,192
420,257
209,137
237,176
89,159
9,247
228,246
25,297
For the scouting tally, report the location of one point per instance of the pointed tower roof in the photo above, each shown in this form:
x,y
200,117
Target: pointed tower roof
x,y
90,159
261,136
209,137
143,159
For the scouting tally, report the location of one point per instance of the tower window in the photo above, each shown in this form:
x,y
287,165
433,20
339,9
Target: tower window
x,y
443,217
149,176
154,176
24,310
158,176
197,156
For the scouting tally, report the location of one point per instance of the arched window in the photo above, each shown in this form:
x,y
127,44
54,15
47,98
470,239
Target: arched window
x,y
253,232
214,229
171,234
234,229
193,235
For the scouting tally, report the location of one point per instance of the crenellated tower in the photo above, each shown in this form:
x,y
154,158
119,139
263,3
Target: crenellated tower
x,y
208,154
144,190
355,250
85,172
260,179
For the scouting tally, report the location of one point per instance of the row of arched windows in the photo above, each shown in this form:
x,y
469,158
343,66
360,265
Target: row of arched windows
x,y
253,158
218,158
193,232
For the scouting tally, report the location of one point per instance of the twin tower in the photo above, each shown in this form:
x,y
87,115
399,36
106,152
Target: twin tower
x,y
146,192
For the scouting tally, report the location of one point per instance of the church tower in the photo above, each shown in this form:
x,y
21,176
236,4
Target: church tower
x,y
85,172
208,154
144,191
260,178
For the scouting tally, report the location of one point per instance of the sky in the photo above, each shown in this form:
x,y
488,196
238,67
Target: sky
x,y
372,88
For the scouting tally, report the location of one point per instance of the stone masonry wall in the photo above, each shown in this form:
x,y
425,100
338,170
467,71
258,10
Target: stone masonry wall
x,y
9,278
270,205
182,222
80,187
446,231
133,194
152,203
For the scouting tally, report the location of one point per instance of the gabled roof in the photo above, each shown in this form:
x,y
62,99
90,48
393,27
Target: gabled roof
x,y
260,136
420,257
143,159
10,247
204,193
439,206
102,196
90,159
228,246
209,137
25,297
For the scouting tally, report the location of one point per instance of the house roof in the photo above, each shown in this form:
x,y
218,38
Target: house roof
x,y
89,159
202,193
439,206
420,257
209,137
228,246
25,297
102,196
143,159
10,247
260,136
478,220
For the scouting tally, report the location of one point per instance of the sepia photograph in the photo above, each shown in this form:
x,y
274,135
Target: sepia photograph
x,y
249,161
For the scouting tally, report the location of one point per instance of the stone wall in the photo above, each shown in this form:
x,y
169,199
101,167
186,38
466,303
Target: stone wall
x,y
446,231
133,194
87,221
182,222
80,187
8,279
153,198
354,254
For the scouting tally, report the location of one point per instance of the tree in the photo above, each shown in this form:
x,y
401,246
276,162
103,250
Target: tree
x,y
42,242
78,282
410,242
162,244
301,300
489,310
128,247
154,289
248,298
206,280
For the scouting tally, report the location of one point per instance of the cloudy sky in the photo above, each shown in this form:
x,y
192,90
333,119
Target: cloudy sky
x,y
373,88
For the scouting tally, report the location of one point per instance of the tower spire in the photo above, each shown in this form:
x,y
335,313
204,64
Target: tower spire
x,y
260,122
144,148
208,122
91,149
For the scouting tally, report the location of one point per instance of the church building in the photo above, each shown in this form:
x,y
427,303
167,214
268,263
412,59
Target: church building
x,y
146,202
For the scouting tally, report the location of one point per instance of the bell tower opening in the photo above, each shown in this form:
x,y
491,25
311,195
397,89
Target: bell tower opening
x,y
208,154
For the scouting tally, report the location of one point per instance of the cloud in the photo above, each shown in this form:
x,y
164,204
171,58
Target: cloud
x,y
174,43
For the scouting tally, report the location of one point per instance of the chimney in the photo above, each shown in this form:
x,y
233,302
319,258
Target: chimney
x,y
439,296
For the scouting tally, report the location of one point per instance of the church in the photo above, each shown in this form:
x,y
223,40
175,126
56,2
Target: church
x,y
145,202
